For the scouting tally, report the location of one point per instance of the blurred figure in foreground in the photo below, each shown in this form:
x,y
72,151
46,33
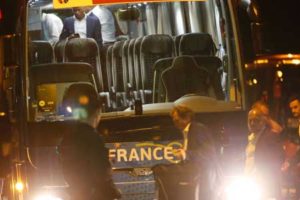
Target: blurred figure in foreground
x,y
86,166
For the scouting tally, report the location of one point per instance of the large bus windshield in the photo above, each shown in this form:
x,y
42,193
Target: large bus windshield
x,y
154,52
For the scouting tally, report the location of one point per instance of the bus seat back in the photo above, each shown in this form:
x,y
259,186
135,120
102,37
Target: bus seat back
x,y
213,65
190,78
153,47
196,44
41,52
159,93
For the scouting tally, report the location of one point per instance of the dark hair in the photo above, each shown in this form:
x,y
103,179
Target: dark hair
x,y
183,112
82,95
293,98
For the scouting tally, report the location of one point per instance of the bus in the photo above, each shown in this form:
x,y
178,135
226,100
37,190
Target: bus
x,y
215,56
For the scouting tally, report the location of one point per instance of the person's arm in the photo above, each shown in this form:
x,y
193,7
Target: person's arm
x,y
97,32
276,128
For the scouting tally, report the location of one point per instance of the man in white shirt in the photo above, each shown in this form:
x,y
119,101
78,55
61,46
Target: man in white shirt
x,y
85,25
51,26
107,21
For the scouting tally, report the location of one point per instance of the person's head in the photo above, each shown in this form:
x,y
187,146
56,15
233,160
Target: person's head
x,y
262,106
181,116
257,120
82,101
294,104
78,13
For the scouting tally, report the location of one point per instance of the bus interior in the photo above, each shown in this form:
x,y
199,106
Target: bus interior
x,y
163,50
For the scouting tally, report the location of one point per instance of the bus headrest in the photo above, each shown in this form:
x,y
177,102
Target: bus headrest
x,y
157,44
81,48
196,44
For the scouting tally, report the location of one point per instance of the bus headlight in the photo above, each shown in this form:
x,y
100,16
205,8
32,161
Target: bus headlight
x,y
244,188
19,186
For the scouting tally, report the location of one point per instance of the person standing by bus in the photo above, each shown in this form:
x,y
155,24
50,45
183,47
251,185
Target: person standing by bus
x,y
199,148
264,153
85,161
85,26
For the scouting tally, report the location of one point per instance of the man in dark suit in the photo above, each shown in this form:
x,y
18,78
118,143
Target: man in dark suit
x,y
86,26
198,144
198,148
264,153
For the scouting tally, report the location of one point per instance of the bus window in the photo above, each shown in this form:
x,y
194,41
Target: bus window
x,y
128,72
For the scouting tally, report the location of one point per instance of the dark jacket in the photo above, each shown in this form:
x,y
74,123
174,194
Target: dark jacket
x,y
85,163
201,146
202,152
93,28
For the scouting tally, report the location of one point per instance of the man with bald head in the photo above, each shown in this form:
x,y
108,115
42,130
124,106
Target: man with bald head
x,y
264,153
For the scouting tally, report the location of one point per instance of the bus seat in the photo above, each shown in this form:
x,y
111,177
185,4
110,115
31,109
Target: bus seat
x,y
62,72
153,47
159,93
50,80
85,50
59,50
119,75
197,44
131,60
137,63
125,58
190,78
109,66
41,52
213,65
177,39
133,92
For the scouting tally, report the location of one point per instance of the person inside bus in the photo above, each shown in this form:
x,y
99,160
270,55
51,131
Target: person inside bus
x,y
82,25
275,127
198,147
52,26
107,21
85,161
108,31
264,153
